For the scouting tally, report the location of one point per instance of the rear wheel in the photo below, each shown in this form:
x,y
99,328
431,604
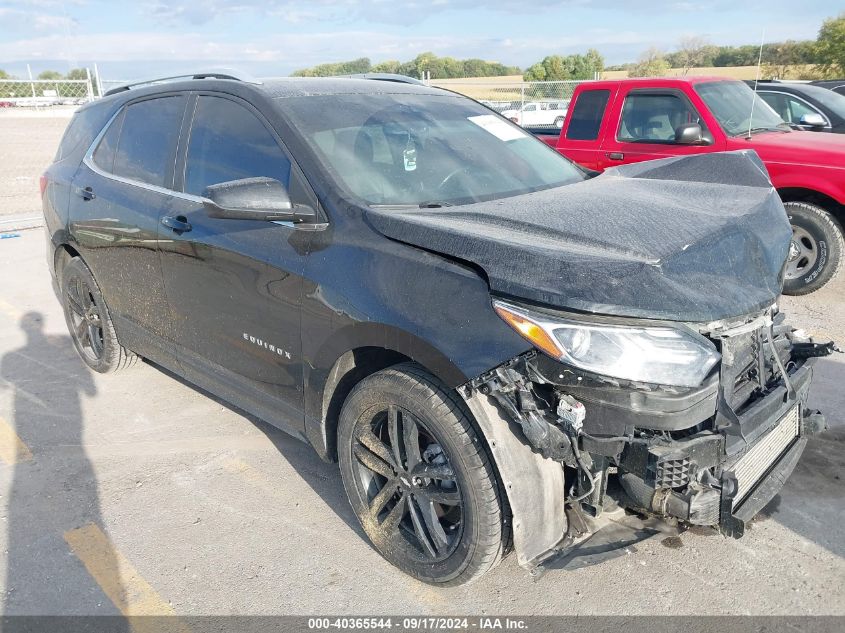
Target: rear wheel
x,y
816,251
418,477
89,321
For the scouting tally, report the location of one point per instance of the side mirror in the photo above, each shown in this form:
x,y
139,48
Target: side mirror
x,y
254,199
812,120
689,134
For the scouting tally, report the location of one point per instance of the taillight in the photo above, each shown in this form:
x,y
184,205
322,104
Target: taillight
x,y
42,182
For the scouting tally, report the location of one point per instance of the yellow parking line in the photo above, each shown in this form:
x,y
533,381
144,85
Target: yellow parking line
x,y
9,310
119,580
12,448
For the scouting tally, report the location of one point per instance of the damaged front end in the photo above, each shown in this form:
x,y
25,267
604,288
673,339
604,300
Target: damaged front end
x,y
711,453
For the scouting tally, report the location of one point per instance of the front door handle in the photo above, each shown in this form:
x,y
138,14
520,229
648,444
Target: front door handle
x,y
176,223
615,155
86,193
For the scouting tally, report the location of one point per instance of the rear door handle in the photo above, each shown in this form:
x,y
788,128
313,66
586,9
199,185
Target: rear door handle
x,y
615,155
177,223
86,193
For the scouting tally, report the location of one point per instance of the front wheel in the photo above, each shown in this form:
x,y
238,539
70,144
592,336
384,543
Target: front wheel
x,y
816,251
418,477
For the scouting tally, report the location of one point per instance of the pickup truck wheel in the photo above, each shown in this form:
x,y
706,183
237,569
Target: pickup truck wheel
x,y
418,477
816,251
89,322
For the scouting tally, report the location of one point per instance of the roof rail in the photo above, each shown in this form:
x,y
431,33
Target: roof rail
x,y
396,78
214,74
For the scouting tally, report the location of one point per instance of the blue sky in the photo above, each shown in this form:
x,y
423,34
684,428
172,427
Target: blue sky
x,y
136,39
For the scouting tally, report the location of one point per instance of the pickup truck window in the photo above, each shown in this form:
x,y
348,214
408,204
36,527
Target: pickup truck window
x,y
587,115
731,104
401,149
653,118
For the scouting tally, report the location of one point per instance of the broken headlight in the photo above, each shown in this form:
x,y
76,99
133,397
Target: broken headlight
x,y
665,354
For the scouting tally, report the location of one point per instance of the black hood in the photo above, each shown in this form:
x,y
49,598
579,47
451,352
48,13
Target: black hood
x,y
697,238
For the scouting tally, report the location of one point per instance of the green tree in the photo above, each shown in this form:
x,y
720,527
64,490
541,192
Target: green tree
x,y
50,74
560,68
390,66
4,74
830,46
652,63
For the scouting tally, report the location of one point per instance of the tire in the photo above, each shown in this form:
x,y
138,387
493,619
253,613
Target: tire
x,y
816,252
439,520
89,322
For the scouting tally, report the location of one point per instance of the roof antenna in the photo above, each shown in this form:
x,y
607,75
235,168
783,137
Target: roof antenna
x,y
756,81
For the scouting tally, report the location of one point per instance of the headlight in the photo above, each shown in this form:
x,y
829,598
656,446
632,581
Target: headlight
x,y
665,355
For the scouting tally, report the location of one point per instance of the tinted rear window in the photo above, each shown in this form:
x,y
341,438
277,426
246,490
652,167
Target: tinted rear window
x,y
104,154
148,137
587,115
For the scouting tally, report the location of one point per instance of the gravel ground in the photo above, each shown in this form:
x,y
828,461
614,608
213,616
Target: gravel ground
x,y
136,491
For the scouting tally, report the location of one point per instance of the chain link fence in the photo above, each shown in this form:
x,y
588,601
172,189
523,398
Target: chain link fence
x,y
532,104
33,117
37,93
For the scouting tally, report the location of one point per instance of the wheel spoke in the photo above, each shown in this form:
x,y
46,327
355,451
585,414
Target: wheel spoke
x,y
384,495
376,446
391,521
393,432
74,302
438,495
81,332
411,441
439,540
94,335
419,529
373,462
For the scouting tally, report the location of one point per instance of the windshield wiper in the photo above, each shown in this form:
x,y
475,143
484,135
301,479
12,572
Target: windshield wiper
x,y
416,205
754,130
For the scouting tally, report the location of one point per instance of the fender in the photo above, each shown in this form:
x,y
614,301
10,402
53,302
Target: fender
x,y
382,345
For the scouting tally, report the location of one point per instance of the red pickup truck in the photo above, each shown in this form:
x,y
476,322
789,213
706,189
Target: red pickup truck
x,y
615,122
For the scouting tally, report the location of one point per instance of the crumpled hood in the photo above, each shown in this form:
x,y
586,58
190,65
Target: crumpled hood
x,y
696,238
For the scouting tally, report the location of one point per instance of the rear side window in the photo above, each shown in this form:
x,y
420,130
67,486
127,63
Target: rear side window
x,y
587,115
147,141
104,154
228,142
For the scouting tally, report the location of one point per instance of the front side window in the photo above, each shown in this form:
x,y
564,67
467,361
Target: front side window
x,y
228,142
424,149
587,115
147,143
654,118
798,108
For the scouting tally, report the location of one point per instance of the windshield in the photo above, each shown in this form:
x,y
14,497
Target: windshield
x,y
831,100
429,150
731,103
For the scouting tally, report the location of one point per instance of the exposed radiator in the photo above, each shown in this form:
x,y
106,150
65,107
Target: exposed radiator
x,y
753,465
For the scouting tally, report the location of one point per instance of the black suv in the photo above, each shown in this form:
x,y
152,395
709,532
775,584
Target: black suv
x,y
501,350
805,106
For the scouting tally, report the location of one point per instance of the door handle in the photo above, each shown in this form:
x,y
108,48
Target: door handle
x,y
176,223
86,193
615,155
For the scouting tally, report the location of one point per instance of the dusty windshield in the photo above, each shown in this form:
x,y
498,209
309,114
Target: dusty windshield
x,y
731,104
408,149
